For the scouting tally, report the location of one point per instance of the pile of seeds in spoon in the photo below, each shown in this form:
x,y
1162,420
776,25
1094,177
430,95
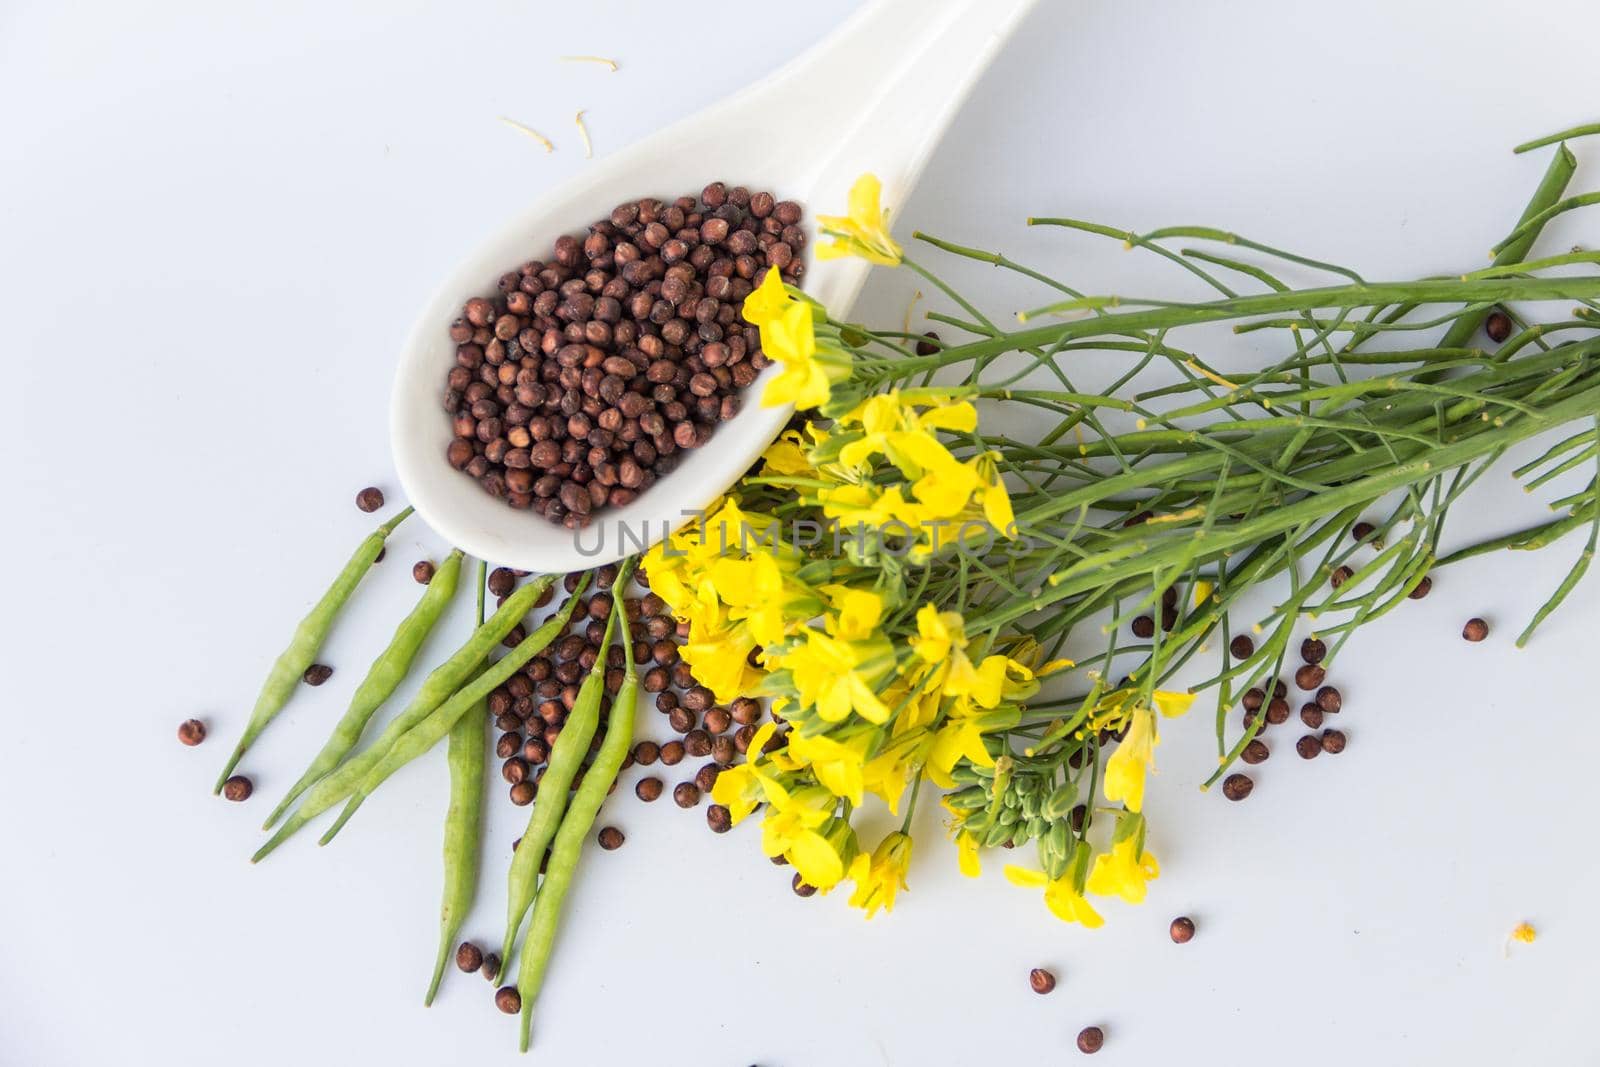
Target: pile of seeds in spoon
x,y
588,374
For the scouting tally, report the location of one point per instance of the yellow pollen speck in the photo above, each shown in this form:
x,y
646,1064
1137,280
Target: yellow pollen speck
x,y
1140,424
1255,628
583,131
531,132
1525,933
602,60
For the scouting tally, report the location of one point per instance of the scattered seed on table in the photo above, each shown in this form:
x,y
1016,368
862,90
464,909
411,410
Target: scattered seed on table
x,y
1329,699
1311,715
719,818
317,673
422,571
238,788
370,499
384,551
646,753
801,889
1309,677
191,732
1237,786
723,749
469,957
1279,690
1253,699
1278,711
648,789
1313,650
697,743
745,711
717,721
1497,326
930,347
1475,630
1362,530
1241,647
686,794
508,1000
611,838
1422,589
522,794
706,777
502,581
1143,626
1091,1039
1182,930
1255,752
1308,747
491,967
1041,981
1340,575
508,745
672,753
514,770
536,751
1333,742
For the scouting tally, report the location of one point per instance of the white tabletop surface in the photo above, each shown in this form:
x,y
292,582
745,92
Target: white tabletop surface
x,y
217,222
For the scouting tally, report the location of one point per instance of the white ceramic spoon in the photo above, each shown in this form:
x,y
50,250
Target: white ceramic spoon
x,y
875,96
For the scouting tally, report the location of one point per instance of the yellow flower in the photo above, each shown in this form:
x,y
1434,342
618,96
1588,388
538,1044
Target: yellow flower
x,y
870,507
865,231
837,676
791,339
1202,592
938,634
879,877
791,813
823,855
718,649
787,455
961,736
768,301
995,499
1135,753
757,592
1125,770
740,788
838,765
1125,870
1061,896
858,612
967,845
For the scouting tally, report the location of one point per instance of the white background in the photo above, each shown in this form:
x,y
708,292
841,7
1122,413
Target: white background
x,y
216,223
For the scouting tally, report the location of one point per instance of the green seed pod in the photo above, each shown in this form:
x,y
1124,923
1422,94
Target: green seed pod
x,y
1010,801
1037,827
1060,839
1060,801
1030,805
1053,862
978,823
969,799
1008,817
998,835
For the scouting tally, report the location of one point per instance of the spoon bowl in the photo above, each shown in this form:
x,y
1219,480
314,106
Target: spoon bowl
x,y
876,96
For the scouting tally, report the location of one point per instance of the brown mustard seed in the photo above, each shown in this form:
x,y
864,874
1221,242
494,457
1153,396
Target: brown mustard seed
x,y
1253,699
611,838
469,957
1182,930
238,788
672,753
1255,752
719,819
686,794
1333,742
1330,699
1311,715
191,732
1309,677
646,753
370,499
1422,588
1340,575
508,1000
1041,981
522,794
1091,1039
1237,786
1143,626
801,889
317,673
1497,326
491,967
1475,630
1278,711
502,580
648,789
1313,650
706,777
1362,530
1241,647
1308,747
422,571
